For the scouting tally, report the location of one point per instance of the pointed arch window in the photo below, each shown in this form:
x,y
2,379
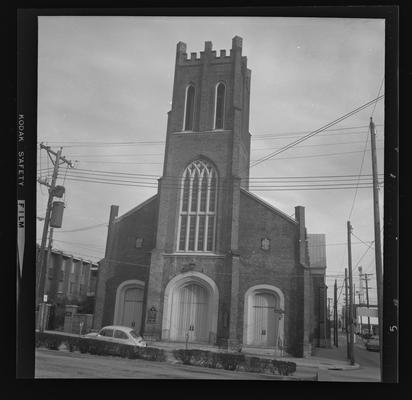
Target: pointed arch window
x,y
197,211
189,108
220,105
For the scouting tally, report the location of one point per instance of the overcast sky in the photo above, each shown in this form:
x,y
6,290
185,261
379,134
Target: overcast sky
x,y
109,79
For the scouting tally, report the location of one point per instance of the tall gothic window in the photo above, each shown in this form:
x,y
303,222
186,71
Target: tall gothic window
x,y
197,213
220,105
189,108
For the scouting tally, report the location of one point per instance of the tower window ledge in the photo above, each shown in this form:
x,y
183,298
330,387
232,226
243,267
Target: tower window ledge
x,y
193,254
213,131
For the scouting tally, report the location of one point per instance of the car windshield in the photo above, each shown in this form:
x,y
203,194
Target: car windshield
x,y
135,335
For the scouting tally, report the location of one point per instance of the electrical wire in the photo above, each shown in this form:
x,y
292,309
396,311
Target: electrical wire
x,y
279,188
154,176
296,142
83,228
279,135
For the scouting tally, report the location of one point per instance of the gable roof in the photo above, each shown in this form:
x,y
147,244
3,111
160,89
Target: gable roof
x,y
268,206
134,209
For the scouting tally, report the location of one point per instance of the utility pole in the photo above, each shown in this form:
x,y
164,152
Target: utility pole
x,y
346,312
367,300
335,314
378,254
329,317
59,159
351,334
329,299
355,320
360,316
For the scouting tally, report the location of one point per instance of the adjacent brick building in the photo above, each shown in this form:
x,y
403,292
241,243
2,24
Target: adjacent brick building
x,y
205,259
69,278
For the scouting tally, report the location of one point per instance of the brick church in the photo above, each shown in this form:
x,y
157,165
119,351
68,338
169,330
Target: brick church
x,y
204,259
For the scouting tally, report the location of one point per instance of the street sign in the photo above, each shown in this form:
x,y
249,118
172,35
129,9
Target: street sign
x,y
366,312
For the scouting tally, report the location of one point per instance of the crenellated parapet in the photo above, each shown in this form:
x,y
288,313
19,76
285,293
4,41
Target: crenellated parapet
x,y
212,56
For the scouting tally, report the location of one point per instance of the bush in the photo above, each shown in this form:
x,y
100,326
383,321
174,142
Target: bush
x,y
54,341
231,361
284,367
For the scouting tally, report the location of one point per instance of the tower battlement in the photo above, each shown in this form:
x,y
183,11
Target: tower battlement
x,y
182,57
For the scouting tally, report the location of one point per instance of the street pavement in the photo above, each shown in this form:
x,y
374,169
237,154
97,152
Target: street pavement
x,y
367,363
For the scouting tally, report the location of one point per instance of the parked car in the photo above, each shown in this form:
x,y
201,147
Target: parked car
x,y
118,334
372,344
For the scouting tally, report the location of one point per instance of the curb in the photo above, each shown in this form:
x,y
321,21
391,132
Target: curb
x,y
341,367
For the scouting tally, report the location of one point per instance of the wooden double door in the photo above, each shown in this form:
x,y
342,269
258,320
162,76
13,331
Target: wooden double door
x,y
190,314
265,320
132,308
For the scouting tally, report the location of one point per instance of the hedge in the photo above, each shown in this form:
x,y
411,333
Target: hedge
x,y
203,358
234,361
98,347
54,341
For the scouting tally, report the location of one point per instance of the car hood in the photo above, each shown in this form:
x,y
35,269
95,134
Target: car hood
x,y
91,334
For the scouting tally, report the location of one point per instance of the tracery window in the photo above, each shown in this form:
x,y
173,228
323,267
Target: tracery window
x,y
197,211
220,105
189,108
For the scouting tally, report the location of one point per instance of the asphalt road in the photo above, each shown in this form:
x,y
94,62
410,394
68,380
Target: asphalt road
x,y
63,364
368,360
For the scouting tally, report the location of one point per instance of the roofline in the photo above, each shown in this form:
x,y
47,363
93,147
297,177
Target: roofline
x,y
118,219
75,258
267,205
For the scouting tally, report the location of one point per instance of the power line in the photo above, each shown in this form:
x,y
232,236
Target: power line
x,y
296,142
154,176
365,243
82,229
78,143
134,154
267,188
254,181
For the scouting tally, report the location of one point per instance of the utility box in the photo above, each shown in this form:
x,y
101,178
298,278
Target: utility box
x,y
57,214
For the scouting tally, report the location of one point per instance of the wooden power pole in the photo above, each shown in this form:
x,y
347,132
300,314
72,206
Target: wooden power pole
x,y
367,300
346,313
59,159
335,314
378,254
351,333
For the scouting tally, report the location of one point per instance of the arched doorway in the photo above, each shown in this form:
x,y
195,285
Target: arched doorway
x,y
264,319
129,304
190,309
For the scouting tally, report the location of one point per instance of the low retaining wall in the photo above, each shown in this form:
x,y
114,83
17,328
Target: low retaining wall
x,y
204,358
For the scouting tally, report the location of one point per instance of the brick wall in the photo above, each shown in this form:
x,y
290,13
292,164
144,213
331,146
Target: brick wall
x,y
277,266
124,259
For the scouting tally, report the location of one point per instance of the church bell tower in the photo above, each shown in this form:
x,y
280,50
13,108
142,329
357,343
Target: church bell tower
x,y
206,162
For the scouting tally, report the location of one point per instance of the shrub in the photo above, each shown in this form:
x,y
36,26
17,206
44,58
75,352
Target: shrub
x,y
150,353
54,341
254,364
182,355
231,361
284,367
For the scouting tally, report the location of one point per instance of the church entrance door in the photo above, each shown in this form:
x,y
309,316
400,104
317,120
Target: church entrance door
x,y
132,308
190,309
265,320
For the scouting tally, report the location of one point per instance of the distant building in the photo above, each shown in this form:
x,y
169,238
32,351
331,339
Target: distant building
x,y
317,260
68,278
